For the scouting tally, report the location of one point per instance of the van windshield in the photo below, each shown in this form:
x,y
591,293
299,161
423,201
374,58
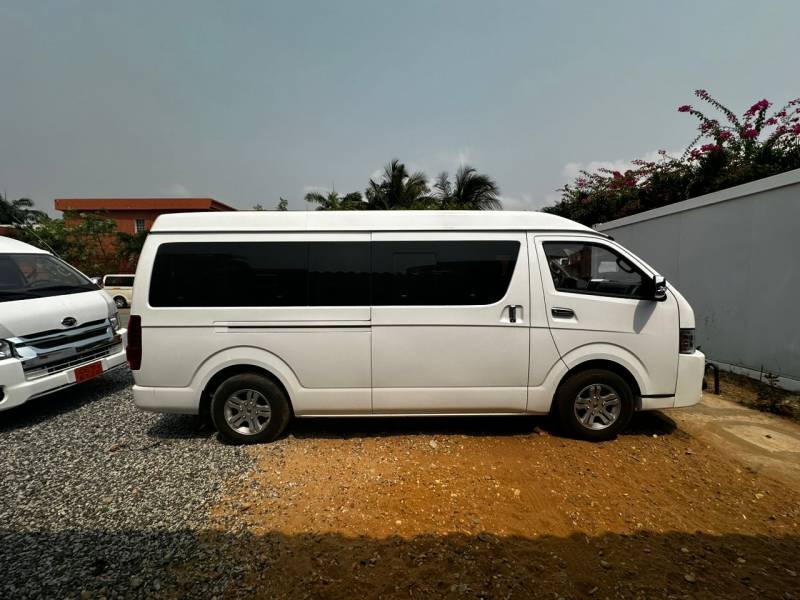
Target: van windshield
x,y
25,276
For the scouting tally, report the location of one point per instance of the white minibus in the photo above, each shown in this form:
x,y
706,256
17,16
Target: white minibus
x,y
57,328
256,317
120,287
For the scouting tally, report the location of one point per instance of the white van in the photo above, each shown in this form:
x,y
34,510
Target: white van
x,y
57,328
257,317
120,287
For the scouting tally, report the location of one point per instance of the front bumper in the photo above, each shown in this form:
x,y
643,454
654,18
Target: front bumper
x,y
689,388
15,389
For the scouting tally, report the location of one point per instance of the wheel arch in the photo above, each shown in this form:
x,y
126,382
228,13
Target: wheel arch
x,y
608,365
243,359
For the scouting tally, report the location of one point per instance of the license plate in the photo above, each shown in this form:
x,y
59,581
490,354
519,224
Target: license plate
x,y
89,371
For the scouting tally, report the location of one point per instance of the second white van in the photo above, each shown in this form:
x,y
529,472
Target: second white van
x,y
255,318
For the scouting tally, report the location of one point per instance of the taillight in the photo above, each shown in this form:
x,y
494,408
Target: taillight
x,y
134,351
686,344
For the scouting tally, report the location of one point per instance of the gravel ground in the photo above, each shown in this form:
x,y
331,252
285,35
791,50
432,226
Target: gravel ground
x,y
100,499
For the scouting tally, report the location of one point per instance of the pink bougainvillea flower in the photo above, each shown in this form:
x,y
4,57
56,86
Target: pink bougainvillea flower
x,y
709,147
701,93
758,107
724,135
684,108
796,130
771,121
617,175
750,133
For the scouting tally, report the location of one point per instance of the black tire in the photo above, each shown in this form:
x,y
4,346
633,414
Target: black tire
x,y
120,302
582,385
238,387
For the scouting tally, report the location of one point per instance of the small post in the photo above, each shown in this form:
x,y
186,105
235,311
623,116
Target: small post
x,y
715,370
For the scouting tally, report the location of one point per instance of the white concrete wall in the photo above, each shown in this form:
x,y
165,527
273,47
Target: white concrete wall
x,y
735,255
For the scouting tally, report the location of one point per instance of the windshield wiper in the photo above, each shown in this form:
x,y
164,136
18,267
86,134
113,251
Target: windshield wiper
x,y
12,295
64,287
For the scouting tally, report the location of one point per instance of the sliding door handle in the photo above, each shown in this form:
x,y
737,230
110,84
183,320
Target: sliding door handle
x,y
562,313
514,313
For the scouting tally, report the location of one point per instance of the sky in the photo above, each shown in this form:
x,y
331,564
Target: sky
x,y
246,102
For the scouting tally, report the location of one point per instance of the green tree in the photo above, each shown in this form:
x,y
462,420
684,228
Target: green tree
x,y
129,247
84,240
258,207
333,201
470,191
18,212
283,204
398,189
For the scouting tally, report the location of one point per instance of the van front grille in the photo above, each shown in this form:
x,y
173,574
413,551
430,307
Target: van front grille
x,y
66,364
48,352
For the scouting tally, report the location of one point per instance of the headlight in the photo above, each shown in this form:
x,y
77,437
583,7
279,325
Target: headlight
x,y
6,350
686,345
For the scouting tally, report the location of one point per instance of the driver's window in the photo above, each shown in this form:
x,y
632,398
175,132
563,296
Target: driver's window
x,y
586,268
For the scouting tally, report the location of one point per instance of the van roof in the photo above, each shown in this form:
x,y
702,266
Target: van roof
x,y
11,246
399,220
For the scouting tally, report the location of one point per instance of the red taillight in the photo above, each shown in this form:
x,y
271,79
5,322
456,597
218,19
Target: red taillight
x,y
134,351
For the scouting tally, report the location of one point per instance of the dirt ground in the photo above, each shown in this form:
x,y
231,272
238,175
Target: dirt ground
x,y
503,508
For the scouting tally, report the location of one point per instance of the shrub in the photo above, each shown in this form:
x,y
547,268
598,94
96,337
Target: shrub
x,y
727,151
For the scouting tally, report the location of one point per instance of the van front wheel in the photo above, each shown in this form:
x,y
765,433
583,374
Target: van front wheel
x,y
594,405
249,408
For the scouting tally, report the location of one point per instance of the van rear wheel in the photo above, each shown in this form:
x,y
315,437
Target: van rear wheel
x,y
249,408
120,302
594,405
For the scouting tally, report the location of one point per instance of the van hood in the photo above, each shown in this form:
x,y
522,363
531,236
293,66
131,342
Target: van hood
x,y
19,318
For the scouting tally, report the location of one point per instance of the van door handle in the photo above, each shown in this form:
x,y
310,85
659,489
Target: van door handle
x,y
514,312
562,313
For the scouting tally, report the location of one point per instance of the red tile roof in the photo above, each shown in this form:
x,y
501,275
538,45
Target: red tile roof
x,y
165,204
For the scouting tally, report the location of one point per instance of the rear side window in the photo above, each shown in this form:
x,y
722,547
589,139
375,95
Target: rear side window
x,y
218,274
586,268
470,272
117,281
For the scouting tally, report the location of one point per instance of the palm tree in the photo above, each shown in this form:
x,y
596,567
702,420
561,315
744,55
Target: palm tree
x,y
19,212
398,189
469,191
332,200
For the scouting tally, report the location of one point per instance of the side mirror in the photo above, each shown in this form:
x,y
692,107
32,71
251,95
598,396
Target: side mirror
x,y
659,288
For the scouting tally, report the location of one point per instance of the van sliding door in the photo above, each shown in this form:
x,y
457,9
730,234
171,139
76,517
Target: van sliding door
x,y
450,319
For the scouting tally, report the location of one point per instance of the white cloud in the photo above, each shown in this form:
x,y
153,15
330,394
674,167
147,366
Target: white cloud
x,y
175,189
573,169
451,161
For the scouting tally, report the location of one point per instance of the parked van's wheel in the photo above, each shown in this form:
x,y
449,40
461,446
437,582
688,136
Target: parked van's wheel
x,y
249,408
594,404
120,302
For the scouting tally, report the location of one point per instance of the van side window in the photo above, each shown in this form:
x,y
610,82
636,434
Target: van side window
x,y
586,268
442,273
118,281
217,274
338,273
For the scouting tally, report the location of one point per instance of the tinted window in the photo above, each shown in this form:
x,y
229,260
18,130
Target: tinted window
x,y
338,273
442,273
592,269
261,274
112,281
